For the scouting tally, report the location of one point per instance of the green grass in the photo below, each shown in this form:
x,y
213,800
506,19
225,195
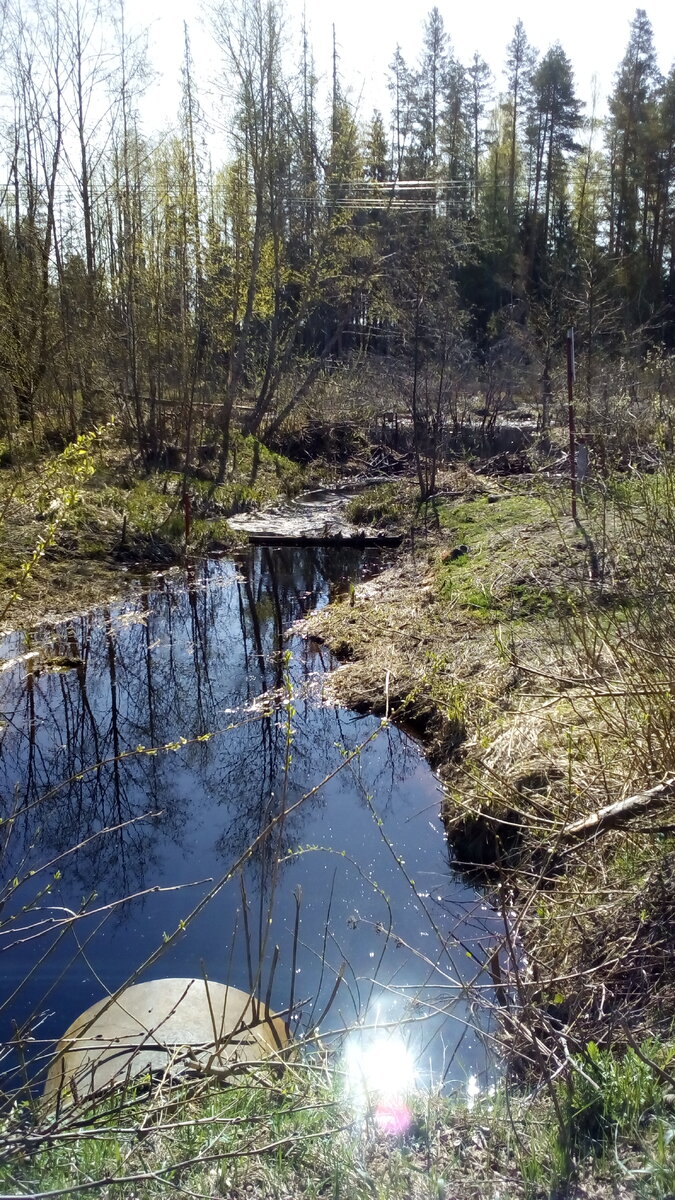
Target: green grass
x,y
263,471
270,1134
474,519
264,1134
616,1095
382,506
484,579
618,1109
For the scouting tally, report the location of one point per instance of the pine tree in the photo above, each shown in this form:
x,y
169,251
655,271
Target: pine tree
x,y
479,79
520,63
377,150
429,91
400,84
457,142
555,116
632,108
666,224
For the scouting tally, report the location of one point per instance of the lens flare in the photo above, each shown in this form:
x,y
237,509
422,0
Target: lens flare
x,y
394,1119
380,1072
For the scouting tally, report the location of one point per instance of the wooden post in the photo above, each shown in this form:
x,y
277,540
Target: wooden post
x,y
187,511
570,404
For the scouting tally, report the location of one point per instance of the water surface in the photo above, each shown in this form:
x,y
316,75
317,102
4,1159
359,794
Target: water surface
x,y
180,724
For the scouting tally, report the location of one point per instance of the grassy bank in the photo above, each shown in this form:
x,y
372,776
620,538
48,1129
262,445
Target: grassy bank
x,y
533,656
604,1131
262,1135
74,524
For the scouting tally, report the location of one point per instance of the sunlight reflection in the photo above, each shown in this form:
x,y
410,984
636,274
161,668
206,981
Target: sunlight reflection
x,y
380,1073
472,1091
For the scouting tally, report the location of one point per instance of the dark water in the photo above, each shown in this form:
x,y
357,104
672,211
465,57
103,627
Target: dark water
x,y
203,656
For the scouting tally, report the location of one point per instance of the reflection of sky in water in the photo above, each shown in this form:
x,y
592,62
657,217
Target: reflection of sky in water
x,y
182,662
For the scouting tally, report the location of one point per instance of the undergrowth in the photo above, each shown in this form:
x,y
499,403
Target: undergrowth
x,y
383,506
296,1133
71,519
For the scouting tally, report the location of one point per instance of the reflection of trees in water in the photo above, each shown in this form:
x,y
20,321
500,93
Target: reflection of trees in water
x,y
190,658
168,666
396,760
69,731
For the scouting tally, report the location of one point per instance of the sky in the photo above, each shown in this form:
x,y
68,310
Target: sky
x,y
592,33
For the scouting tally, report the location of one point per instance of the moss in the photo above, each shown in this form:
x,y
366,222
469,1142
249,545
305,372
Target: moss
x,y
265,471
479,572
482,514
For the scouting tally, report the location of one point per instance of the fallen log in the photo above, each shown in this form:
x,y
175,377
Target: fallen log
x,y
622,812
358,539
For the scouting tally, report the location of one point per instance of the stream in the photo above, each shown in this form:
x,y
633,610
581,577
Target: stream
x,y
196,667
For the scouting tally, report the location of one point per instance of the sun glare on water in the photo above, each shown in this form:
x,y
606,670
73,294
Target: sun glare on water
x,y
380,1074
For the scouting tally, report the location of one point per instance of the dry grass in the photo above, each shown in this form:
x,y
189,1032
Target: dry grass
x,y
541,696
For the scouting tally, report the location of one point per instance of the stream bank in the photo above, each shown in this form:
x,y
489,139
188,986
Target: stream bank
x,y
477,638
78,528
81,528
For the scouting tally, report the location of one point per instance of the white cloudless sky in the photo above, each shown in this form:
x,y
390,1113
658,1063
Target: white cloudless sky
x,y
592,33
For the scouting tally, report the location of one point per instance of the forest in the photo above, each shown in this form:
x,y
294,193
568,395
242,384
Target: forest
x,y
187,280
337,666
